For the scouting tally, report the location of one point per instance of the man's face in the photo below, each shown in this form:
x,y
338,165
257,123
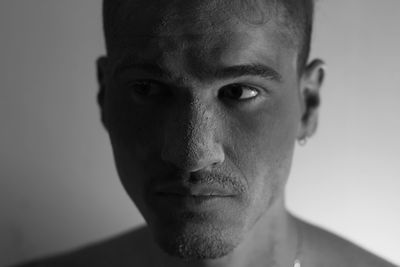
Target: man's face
x,y
203,110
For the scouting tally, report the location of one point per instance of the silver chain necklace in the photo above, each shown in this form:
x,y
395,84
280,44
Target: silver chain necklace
x,y
297,262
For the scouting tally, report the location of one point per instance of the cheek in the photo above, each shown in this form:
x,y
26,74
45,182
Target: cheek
x,y
135,138
133,128
263,144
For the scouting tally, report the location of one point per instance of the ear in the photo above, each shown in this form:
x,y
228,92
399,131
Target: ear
x,y
102,66
310,84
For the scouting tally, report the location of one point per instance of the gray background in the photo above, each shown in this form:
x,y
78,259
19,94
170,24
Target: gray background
x,y
58,185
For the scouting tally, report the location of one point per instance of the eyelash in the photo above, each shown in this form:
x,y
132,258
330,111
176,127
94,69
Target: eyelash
x,y
243,87
142,83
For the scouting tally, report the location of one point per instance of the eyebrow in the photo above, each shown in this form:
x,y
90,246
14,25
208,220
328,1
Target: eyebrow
x,y
230,72
249,70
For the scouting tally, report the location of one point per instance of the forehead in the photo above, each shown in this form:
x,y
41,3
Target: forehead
x,y
201,31
179,17
256,11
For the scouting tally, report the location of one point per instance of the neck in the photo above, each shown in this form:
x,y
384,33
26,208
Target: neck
x,y
272,241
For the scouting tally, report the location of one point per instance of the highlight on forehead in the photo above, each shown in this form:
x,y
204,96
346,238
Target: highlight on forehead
x,y
257,12
261,12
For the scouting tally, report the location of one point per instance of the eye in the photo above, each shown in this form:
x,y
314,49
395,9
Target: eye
x,y
238,92
148,88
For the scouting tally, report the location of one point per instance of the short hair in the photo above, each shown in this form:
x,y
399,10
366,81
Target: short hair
x,y
300,14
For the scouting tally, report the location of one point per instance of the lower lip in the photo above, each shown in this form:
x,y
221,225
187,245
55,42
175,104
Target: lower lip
x,y
176,201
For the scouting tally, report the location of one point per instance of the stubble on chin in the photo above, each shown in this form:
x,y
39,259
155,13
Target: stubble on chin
x,y
196,244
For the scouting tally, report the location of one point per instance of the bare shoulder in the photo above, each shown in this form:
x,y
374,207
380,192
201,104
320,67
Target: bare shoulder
x,y
324,248
127,249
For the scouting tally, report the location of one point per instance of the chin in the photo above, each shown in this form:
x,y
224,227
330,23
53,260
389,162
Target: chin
x,y
197,240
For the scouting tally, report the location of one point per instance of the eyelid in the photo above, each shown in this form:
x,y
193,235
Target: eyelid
x,y
245,87
157,84
145,81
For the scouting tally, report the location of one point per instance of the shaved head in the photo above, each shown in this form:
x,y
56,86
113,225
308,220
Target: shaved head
x,y
295,15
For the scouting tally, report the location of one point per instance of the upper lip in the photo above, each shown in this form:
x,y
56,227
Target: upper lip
x,y
196,190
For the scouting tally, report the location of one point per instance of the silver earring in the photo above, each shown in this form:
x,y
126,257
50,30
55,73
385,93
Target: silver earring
x,y
303,141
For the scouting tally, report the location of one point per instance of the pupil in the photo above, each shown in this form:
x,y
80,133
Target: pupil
x,y
143,88
236,91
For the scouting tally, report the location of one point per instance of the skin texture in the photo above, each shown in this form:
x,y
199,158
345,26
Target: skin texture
x,y
176,119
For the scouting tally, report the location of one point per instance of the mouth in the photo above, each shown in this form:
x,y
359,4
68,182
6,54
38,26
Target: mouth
x,y
198,197
192,196
191,199
198,191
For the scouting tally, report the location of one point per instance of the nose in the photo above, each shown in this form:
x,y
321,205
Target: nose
x,y
190,140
